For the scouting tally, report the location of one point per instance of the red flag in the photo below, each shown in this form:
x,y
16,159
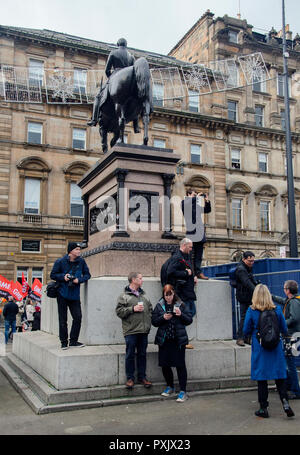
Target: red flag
x,y
16,291
25,286
5,287
37,287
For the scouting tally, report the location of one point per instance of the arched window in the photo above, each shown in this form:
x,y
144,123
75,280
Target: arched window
x,y
265,198
238,194
33,186
73,202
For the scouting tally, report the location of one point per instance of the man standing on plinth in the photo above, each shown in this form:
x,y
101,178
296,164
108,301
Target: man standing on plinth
x,y
70,271
193,211
135,310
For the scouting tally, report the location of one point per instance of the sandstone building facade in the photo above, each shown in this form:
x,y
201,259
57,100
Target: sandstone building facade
x,y
232,142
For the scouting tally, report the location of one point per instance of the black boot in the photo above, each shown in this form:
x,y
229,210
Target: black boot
x,y
262,412
287,409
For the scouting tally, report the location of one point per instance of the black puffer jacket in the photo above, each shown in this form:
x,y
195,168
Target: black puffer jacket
x,y
245,283
180,322
179,277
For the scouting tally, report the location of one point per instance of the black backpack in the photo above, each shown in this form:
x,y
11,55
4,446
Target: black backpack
x,y
164,272
232,276
268,332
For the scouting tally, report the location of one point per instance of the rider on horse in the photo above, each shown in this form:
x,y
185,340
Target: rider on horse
x,y
117,59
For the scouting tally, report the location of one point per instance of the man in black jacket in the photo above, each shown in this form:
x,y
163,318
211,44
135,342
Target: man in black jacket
x,y
181,276
70,271
193,211
244,290
10,312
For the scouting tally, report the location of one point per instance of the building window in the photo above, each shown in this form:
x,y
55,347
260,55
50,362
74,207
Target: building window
x,y
31,246
158,94
76,203
36,72
80,81
20,271
280,85
233,74
79,139
236,158
233,36
258,85
263,162
259,115
32,196
232,110
160,143
237,213
195,153
193,101
265,216
34,133
37,272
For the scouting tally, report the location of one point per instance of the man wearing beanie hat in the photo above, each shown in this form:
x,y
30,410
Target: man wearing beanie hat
x,y
70,271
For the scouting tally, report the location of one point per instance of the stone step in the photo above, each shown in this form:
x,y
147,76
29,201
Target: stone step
x,y
43,398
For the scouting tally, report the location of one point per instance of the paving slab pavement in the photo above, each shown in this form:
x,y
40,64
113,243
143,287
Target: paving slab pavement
x,y
218,414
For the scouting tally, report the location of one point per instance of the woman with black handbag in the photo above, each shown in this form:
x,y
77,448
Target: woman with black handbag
x,y
171,317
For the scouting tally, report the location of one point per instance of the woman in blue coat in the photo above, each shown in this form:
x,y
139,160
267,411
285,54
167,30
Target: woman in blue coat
x,y
266,364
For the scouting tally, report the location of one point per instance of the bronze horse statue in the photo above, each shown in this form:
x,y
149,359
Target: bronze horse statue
x,y
126,96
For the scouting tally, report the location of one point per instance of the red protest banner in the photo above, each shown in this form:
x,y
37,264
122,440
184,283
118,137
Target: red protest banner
x,y
37,287
25,285
16,290
5,287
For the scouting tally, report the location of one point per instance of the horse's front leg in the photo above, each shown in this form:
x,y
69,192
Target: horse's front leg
x,y
120,114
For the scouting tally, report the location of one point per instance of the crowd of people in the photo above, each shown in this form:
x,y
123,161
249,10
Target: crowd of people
x,y
20,316
175,311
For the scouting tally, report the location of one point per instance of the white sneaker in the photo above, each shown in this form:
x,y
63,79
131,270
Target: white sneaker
x,y
168,392
182,396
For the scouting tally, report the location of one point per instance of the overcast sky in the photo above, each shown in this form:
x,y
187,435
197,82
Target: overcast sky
x,y
152,25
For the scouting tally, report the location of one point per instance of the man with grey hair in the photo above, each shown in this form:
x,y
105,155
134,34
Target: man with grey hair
x,y
135,310
181,276
291,311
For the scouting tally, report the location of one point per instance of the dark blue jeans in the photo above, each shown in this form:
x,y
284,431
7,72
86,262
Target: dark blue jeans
x,y
7,326
75,310
190,306
292,376
136,343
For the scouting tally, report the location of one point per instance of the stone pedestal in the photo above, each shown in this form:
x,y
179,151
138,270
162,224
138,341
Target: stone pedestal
x,y
101,326
127,211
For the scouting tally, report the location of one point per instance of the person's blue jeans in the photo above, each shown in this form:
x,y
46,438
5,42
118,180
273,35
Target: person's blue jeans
x,y
136,343
7,326
292,376
190,306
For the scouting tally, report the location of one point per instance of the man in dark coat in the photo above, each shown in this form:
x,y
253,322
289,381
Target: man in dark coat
x,y
70,271
10,312
245,285
181,276
193,211
291,311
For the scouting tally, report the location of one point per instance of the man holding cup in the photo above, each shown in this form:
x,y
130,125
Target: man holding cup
x,y
135,310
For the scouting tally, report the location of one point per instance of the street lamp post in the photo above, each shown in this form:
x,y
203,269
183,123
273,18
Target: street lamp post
x,y
288,141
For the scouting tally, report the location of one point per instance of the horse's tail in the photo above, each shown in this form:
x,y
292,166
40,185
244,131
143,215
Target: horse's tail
x,y
142,75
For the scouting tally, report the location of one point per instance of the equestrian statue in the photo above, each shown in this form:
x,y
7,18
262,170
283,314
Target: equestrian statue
x,y
125,96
